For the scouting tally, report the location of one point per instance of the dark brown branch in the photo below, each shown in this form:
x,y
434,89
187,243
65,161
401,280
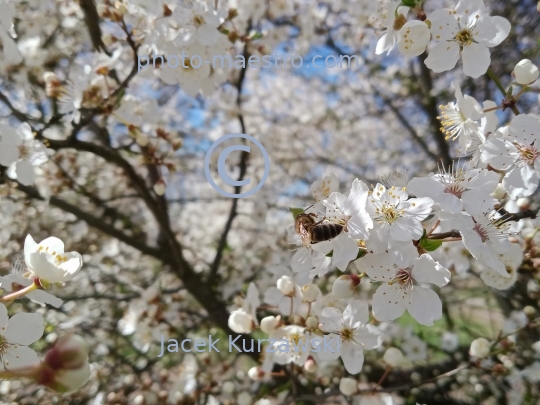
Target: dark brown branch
x,y
91,18
93,221
429,102
243,168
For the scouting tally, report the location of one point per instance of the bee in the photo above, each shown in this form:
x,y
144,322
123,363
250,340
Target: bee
x,y
312,232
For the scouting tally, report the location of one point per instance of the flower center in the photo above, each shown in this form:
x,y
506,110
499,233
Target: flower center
x,y
198,20
3,345
404,278
346,334
464,37
388,213
452,121
455,189
527,154
482,231
295,338
24,152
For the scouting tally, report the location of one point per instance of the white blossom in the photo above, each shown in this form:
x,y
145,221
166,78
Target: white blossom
x,y
525,72
393,357
391,24
480,348
414,38
467,32
398,291
458,189
48,261
16,333
353,330
395,216
348,386
517,151
21,152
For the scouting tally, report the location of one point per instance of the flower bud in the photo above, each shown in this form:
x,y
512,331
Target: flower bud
x,y
499,192
50,77
529,312
310,366
309,292
160,187
312,322
69,352
345,285
525,72
286,285
255,373
480,348
393,357
348,386
228,387
523,203
269,324
141,139
121,8
240,321
66,367
103,10
108,39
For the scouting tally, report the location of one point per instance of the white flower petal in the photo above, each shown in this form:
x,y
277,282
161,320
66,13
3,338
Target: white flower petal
x,y
345,250
443,57
4,318
476,60
525,128
444,26
20,357
25,172
425,306
427,270
24,328
369,336
492,30
353,358
357,311
333,353
520,182
379,267
499,154
405,229
415,37
389,302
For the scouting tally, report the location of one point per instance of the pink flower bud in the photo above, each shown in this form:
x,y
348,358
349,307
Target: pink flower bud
x,y
66,367
69,352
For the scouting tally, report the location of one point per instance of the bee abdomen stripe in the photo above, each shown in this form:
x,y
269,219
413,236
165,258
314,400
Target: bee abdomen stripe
x,y
326,232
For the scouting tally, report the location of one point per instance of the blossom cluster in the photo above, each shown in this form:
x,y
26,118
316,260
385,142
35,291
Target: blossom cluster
x,y
65,367
391,232
366,257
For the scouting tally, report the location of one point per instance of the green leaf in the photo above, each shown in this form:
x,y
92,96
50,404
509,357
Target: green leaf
x,y
330,254
429,245
119,98
296,211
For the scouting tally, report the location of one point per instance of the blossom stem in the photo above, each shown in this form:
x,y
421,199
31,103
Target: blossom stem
x,y
520,93
20,293
22,372
451,240
434,227
497,82
493,109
